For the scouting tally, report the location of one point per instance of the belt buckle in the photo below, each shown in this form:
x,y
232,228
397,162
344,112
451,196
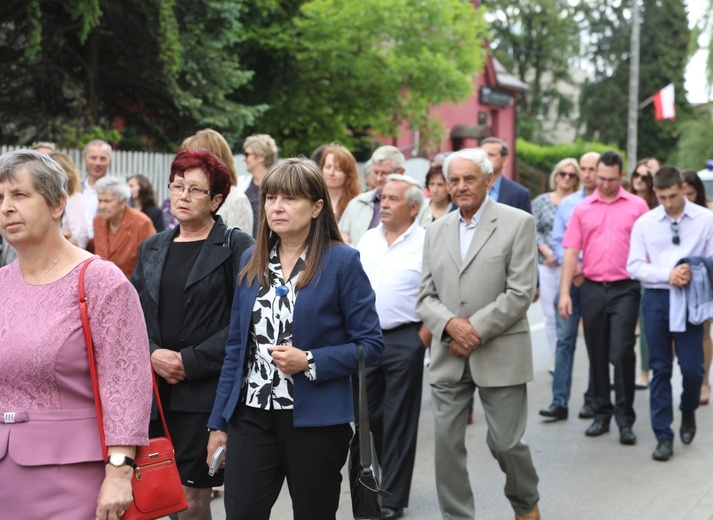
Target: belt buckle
x,y
9,417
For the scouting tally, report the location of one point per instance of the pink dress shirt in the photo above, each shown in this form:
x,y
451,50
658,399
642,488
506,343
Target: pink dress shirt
x,y
602,231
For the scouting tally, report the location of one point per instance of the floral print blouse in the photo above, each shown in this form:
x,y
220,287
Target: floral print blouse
x,y
268,387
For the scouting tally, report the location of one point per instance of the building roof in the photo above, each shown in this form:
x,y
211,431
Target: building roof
x,y
507,80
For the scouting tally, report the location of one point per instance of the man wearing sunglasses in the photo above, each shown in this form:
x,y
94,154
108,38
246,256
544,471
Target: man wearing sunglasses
x,y
600,228
674,230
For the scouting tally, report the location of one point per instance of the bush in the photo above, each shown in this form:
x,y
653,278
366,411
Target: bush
x,y
545,157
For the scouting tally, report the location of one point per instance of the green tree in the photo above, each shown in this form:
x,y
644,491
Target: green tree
x,y
664,50
695,145
539,41
339,69
154,70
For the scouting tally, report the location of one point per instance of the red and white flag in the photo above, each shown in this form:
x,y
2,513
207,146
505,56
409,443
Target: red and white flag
x,y
664,103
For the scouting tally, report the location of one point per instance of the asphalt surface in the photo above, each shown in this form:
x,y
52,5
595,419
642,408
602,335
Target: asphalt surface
x,y
581,478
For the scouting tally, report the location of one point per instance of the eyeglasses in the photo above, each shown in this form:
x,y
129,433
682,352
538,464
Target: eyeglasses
x,y
193,191
567,174
676,237
248,154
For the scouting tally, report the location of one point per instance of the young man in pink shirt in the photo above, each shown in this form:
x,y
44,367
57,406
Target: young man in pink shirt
x,y
600,228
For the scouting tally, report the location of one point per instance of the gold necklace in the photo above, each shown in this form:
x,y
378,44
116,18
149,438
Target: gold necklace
x,y
37,282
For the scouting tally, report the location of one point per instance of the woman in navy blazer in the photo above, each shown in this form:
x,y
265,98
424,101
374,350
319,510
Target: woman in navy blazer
x,y
284,399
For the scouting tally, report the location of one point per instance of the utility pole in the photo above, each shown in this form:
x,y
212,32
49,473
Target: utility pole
x,y
633,117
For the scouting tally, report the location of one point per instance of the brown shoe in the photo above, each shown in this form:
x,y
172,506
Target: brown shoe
x,y
532,515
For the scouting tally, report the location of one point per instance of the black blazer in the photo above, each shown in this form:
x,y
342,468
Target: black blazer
x,y
515,195
206,309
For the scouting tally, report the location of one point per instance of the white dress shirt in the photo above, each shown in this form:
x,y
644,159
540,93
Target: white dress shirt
x,y
91,205
653,255
467,231
394,273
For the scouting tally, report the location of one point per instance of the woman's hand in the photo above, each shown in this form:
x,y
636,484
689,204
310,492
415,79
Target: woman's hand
x,y
289,360
215,441
168,364
115,495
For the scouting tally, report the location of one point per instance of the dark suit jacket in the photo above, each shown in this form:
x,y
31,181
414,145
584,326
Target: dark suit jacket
x,y
333,312
515,195
206,310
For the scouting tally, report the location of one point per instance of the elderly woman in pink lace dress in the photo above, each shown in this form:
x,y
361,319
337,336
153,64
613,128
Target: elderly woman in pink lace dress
x,y
51,461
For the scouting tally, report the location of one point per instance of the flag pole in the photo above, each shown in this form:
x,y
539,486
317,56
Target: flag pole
x,y
633,114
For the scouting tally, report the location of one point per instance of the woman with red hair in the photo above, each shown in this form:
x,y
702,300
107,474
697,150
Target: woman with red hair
x,y
185,279
341,175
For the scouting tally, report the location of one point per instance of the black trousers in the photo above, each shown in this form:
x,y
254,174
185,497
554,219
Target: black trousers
x,y
610,313
264,447
394,391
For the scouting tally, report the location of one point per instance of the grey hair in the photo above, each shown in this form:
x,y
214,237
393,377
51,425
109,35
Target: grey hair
x,y
96,142
117,186
414,193
48,177
264,146
384,153
474,155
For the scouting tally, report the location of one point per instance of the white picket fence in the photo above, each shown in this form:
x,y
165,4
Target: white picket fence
x,y
155,166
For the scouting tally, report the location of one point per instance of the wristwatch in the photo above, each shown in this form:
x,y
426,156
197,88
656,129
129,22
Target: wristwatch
x,y
119,459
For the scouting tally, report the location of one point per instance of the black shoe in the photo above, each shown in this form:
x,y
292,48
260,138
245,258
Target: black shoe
x,y
586,412
597,428
688,427
388,513
556,412
663,451
627,436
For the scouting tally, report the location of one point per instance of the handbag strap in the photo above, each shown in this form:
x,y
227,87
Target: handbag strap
x,y
83,309
364,430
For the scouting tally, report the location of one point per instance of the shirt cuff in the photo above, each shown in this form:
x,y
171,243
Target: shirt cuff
x,y
311,372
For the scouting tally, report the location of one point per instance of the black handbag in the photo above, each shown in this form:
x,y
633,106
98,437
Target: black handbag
x,y
363,464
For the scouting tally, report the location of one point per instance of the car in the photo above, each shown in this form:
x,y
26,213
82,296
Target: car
x,y
706,176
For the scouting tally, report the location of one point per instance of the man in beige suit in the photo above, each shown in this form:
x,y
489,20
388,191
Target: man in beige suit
x,y
478,279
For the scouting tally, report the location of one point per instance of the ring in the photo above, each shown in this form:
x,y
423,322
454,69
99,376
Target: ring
x,y
121,514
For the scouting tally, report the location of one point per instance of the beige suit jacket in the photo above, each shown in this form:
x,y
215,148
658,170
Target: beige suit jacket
x,y
493,288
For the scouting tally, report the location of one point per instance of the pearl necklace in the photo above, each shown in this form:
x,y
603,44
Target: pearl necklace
x,y
37,282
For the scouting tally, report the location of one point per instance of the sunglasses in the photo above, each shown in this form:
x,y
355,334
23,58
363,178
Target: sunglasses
x,y
676,239
567,174
644,176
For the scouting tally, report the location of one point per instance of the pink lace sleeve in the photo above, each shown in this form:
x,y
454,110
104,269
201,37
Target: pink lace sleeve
x,y
122,354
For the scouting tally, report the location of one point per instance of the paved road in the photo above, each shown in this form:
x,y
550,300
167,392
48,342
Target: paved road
x,y
580,478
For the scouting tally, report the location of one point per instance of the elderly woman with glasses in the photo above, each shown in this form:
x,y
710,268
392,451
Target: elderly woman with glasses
x,y
185,279
564,180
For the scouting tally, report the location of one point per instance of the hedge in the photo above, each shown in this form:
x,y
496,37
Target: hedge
x,y
545,157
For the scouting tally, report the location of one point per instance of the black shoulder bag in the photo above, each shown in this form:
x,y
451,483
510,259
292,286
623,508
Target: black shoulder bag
x,y
363,465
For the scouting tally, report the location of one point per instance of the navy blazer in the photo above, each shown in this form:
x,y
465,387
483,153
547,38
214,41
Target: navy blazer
x,y
206,309
515,195
332,313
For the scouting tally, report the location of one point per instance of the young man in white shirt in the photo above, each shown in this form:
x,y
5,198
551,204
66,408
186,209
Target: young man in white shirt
x,y
674,230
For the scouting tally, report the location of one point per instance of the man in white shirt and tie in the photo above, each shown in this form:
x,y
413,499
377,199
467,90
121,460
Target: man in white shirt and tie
x,y
674,230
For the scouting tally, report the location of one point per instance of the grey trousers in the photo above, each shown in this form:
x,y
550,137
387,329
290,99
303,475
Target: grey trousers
x,y
506,414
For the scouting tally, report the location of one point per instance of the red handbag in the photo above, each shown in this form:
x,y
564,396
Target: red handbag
x,y
156,484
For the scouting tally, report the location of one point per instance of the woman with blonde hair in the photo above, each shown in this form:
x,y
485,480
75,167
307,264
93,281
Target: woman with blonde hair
x,y
340,172
74,222
564,180
236,210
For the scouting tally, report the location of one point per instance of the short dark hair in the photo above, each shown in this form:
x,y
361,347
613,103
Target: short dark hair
x,y
691,178
611,158
210,164
667,177
503,146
